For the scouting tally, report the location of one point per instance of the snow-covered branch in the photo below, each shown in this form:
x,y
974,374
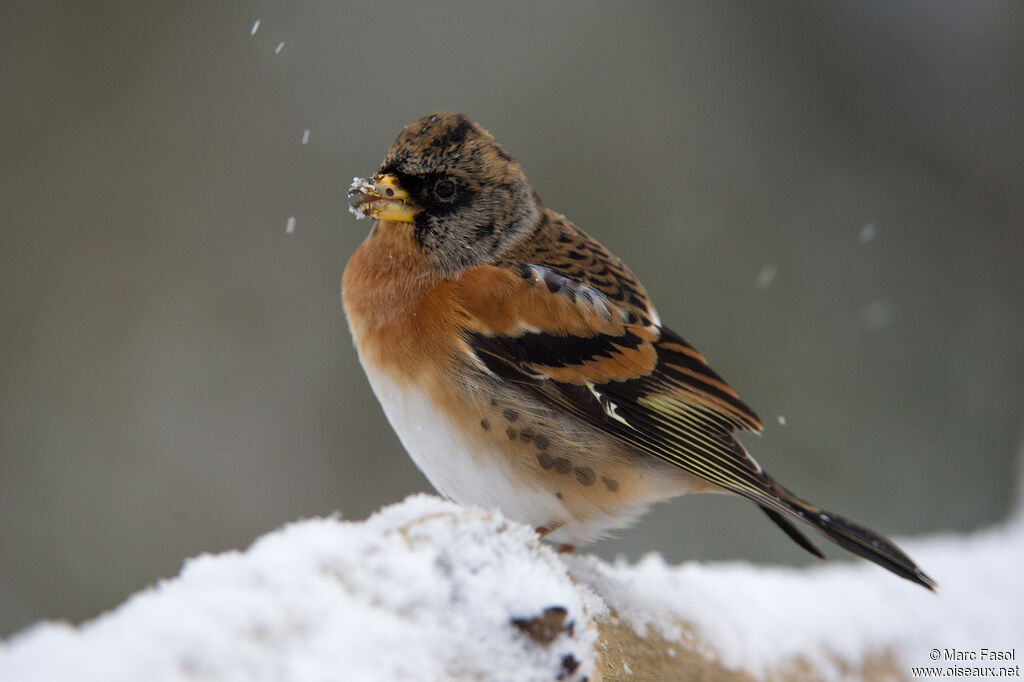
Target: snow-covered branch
x,y
428,590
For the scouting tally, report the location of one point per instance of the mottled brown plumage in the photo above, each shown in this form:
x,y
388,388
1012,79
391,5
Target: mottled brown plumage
x,y
523,365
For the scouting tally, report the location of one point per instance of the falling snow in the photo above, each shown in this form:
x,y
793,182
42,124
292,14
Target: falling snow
x,y
877,315
766,276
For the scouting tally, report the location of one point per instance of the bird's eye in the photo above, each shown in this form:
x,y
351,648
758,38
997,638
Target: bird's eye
x,y
444,189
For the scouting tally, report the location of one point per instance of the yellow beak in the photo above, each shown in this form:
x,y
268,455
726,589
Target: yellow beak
x,y
381,198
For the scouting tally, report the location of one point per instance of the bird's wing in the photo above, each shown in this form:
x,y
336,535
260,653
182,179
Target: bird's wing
x,y
594,357
643,384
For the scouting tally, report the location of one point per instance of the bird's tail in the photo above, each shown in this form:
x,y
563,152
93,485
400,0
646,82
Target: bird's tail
x,y
852,537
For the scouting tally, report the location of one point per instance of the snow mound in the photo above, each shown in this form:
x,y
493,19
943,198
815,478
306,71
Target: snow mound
x,y
422,590
429,590
831,617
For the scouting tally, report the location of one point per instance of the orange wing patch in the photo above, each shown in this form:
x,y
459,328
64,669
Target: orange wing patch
x,y
502,301
554,327
528,319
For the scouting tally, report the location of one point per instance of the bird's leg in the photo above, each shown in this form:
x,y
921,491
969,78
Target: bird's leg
x,y
545,531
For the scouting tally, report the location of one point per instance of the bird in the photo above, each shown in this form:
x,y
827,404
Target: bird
x,y
523,366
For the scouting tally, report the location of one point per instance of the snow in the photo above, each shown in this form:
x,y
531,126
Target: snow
x,y
358,187
428,590
422,590
868,232
280,46
766,276
876,315
289,225
255,27
305,136
761,619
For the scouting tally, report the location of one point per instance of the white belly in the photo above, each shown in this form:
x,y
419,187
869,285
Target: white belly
x,y
467,471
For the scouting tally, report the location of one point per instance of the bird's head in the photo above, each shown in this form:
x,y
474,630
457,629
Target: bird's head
x,y
446,179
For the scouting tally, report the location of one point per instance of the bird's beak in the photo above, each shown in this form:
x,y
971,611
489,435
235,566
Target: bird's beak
x,y
380,197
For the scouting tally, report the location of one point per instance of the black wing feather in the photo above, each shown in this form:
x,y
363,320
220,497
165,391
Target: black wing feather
x,y
654,415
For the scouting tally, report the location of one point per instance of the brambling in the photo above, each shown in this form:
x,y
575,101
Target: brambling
x,y
523,365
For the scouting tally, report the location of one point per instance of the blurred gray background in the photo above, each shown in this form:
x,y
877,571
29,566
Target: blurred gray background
x,y
825,197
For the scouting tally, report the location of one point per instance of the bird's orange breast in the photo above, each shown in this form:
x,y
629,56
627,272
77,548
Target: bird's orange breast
x,y
399,314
